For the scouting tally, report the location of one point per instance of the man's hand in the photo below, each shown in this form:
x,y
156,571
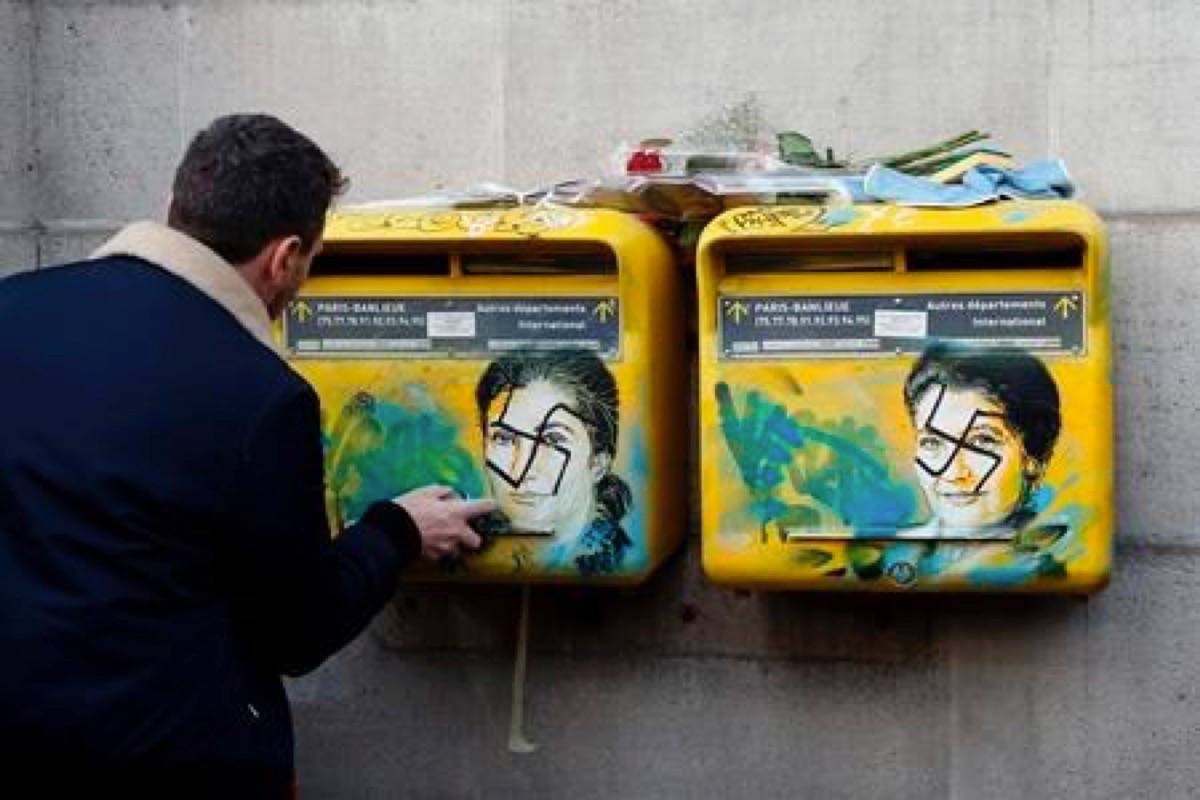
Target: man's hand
x,y
442,517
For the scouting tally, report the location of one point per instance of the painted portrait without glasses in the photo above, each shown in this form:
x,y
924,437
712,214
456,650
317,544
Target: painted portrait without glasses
x,y
985,423
549,425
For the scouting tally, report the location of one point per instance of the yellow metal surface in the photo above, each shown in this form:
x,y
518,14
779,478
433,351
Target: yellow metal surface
x,y
401,420
816,472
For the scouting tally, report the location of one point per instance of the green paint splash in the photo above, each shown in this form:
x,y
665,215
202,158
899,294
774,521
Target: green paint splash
x,y
376,449
840,466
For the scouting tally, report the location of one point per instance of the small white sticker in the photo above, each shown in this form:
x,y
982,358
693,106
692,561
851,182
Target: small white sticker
x,y
902,324
450,324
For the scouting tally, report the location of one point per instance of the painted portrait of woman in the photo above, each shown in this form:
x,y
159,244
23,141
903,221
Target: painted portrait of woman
x,y
549,424
985,424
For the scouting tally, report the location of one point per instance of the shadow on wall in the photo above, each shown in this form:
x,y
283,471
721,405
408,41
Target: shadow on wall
x,y
677,613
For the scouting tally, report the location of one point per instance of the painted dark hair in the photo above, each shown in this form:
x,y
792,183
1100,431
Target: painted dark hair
x,y
583,375
1015,380
248,179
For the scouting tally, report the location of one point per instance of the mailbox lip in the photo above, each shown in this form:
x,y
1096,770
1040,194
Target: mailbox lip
x,y
514,224
742,573
635,246
1008,217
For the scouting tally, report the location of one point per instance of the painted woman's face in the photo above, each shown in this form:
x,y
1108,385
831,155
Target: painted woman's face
x,y
970,462
540,464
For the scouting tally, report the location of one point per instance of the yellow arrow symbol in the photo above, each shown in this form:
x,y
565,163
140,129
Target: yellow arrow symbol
x,y
302,310
604,309
1066,305
737,310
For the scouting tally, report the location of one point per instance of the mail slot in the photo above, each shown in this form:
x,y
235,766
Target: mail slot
x,y
532,355
900,398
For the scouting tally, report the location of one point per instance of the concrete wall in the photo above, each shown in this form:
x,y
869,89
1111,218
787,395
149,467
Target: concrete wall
x,y
680,688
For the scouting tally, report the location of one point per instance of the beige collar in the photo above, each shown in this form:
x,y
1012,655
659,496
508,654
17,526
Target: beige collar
x,y
183,256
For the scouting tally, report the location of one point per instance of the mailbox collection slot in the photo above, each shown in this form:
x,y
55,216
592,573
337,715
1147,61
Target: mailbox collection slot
x,y
376,263
1053,252
850,261
1003,256
592,262
345,263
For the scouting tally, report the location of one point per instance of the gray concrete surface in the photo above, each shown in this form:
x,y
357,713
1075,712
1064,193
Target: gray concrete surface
x,y
107,111
18,250
681,689
16,107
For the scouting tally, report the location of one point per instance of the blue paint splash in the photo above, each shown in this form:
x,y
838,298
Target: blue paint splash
x,y
839,466
843,468
379,449
637,555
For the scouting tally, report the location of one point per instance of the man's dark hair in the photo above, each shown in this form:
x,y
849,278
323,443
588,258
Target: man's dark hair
x,y
247,179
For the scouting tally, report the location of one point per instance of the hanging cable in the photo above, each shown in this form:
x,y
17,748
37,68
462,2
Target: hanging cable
x,y
517,743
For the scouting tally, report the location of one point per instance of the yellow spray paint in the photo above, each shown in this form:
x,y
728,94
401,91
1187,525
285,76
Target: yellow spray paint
x,y
817,474
405,314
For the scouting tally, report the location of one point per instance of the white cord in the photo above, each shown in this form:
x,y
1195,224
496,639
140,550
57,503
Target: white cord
x,y
517,743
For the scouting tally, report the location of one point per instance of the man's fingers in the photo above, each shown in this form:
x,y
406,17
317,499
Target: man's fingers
x,y
470,540
473,508
443,548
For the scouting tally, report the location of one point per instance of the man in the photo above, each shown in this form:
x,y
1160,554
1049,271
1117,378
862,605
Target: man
x,y
164,551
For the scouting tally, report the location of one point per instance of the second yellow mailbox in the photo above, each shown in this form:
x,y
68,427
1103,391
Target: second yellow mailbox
x,y
906,398
533,355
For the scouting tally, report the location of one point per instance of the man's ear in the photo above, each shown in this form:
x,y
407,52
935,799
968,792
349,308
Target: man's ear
x,y
279,255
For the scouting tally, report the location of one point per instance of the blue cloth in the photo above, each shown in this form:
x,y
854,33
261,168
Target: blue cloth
x,y
1041,180
856,186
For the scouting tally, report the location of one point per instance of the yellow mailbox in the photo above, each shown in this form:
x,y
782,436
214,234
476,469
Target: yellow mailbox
x,y
901,398
529,354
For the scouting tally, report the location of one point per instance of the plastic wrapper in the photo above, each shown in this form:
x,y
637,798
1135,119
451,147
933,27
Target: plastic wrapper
x,y
663,158
480,195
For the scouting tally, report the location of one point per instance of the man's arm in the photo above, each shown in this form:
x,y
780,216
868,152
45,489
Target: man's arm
x,y
298,596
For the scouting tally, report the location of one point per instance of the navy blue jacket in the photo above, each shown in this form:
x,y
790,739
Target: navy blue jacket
x,y
164,551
